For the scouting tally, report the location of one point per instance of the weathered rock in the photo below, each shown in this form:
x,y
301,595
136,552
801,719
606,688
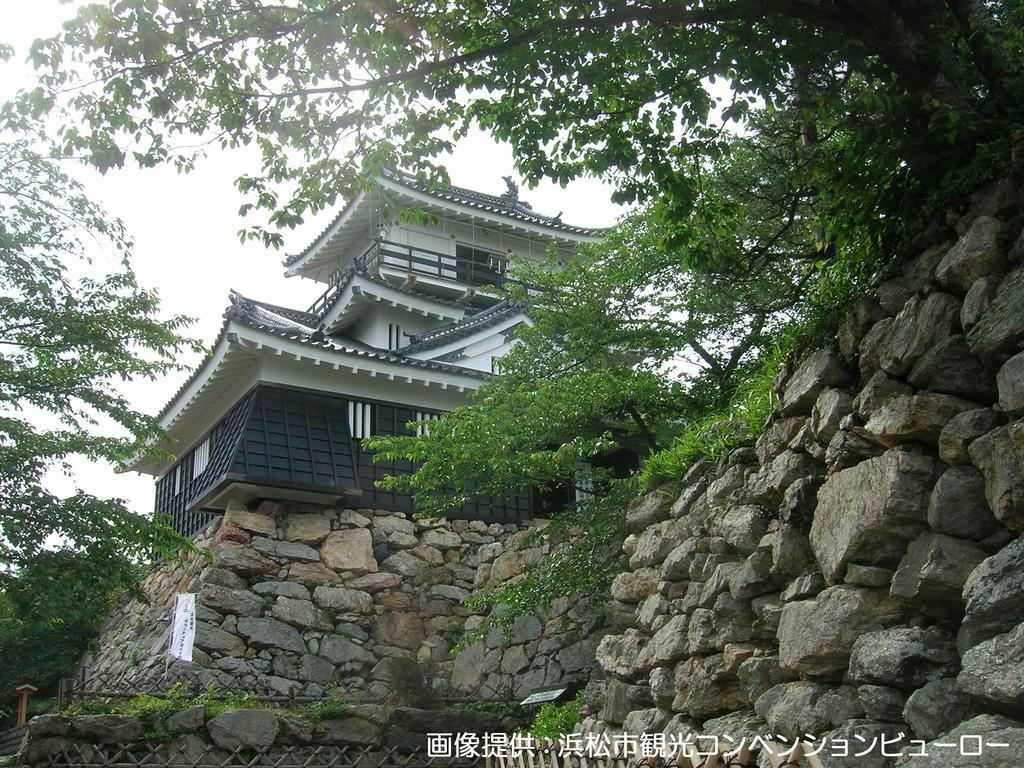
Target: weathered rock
x,y
243,559
404,630
721,489
975,255
239,602
287,550
1000,457
634,586
349,550
957,506
270,633
650,720
902,657
880,702
868,575
869,512
375,582
620,654
919,418
237,516
668,645
742,527
301,613
831,407
770,482
342,651
108,729
776,436
646,510
347,730
858,744
933,573
822,369
849,447
308,529
1010,380
409,727
442,539
307,668
406,564
213,639
706,689
753,577
186,720
978,299
243,729
957,436
803,587
1001,327
993,596
312,574
993,671
974,734
791,553
872,346
799,502
918,327
950,368
789,709
876,392
223,578
894,293
653,545
285,588
816,636
343,599
936,707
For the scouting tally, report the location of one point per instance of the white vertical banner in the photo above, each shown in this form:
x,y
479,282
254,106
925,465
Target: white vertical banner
x,y
183,627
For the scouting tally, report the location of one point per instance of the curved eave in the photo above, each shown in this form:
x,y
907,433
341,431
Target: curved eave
x,y
362,293
566,236
443,348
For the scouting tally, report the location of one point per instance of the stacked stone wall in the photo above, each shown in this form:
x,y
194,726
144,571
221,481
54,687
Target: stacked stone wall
x,y
859,571
301,601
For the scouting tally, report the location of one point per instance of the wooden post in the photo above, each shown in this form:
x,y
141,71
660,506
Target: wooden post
x,y
23,691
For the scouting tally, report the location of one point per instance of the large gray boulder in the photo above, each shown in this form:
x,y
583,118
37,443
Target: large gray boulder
x,y
271,633
620,654
790,711
974,255
936,707
993,596
1001,327
647,510
1010,381
933,572
918,327
822,369
902,657
914,419
816,636
240,602
668,645
958,507
1000,457
949,367
107,729
962,430
993,671
869,512
977,736
341,731
243,729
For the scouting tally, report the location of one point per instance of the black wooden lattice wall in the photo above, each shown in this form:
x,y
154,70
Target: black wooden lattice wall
x,y
290,438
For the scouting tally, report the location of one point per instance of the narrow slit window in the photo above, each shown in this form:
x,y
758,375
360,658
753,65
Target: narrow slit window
x,y
360,419
424,429
394,335
201,458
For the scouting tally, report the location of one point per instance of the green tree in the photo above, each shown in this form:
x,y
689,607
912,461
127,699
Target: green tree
x,y
331,89
68,335
50,611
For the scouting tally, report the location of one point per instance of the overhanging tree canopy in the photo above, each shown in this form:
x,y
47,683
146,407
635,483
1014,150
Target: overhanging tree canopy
x,y
327,89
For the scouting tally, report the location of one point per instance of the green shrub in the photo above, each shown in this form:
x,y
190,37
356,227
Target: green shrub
x,y
555,720
328,708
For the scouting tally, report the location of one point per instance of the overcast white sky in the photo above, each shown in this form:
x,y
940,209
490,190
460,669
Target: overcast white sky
x,y
185,232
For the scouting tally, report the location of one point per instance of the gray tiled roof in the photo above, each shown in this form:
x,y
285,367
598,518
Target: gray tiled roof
x,y
460,329
266,317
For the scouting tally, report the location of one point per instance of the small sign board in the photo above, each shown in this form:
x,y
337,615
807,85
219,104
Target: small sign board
x,y
541,697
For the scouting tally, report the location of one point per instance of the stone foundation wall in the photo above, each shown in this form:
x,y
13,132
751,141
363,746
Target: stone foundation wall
x,y
296,600
860,570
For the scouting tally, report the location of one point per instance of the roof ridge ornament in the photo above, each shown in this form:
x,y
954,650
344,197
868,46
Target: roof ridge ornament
x,y
511,189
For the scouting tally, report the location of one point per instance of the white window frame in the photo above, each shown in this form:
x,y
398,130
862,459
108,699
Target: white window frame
x,y
201,456
424,429
360,418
